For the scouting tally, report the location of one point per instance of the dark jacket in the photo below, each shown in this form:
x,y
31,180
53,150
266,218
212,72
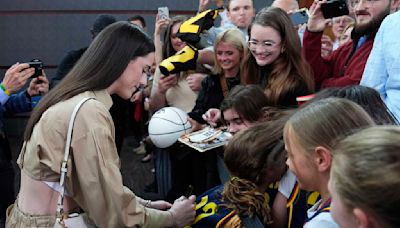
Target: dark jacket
x,y
210,96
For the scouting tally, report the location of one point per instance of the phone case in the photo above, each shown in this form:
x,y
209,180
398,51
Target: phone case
x,y
163,12
299,17
335,8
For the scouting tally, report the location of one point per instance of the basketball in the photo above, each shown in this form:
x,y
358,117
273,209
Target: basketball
x,y
167,125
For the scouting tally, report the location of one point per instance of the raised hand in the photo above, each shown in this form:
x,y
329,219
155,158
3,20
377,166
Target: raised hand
x,y
16,76
316,21
212,116
38,85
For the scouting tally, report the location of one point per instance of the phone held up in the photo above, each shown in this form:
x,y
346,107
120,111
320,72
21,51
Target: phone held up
x,y
38,65
299,17
334,8
163,12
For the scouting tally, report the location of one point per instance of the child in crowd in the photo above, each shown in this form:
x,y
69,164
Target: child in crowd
x,y
244,106
310,135
255,159
365,177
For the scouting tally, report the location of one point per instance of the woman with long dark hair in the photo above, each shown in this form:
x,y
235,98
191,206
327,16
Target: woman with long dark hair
x,y
116,62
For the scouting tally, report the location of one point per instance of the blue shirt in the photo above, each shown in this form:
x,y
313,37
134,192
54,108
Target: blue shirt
x,y
13,104
382,71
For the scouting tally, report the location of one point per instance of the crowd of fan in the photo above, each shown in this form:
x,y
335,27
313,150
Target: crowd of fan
x,y
332,161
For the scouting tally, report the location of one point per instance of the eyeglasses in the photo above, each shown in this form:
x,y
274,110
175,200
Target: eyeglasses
x,y
253,44
354,3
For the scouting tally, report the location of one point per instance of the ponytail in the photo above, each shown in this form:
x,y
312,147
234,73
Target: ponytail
x,y
243,196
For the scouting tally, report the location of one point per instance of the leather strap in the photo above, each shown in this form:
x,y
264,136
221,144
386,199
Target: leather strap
x,y
64,167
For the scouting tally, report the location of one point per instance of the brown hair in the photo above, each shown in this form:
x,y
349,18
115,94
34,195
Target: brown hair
x,y
366,172
248,101
167,49
255,157
368,98
289,71
102,63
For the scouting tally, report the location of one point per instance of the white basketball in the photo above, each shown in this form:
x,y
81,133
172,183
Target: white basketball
x,y
167,125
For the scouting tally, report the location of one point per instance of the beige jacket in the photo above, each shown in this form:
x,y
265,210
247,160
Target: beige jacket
x,y
94,180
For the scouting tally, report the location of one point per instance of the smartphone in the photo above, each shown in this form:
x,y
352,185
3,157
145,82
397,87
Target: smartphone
x,y
38,65
163,12
300,17
334,8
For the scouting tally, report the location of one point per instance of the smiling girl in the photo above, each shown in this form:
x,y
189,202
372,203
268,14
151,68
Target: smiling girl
x,y
275,61
230,49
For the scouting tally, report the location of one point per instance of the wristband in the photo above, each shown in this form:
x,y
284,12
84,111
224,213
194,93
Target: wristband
x,y
5,90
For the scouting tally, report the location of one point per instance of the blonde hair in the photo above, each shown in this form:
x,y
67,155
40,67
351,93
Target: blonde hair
x,y
236,38
324,122
366,172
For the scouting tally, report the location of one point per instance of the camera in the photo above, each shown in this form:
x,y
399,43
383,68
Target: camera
x,y
38,65
334,8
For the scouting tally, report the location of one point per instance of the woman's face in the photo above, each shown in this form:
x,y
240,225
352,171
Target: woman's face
x,y
177,44
300,162
133,77
228,56
265,44
235,122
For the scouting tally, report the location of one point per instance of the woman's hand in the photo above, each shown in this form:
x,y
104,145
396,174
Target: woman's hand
x,y
166,82
194,81
182,211
160,24
212,116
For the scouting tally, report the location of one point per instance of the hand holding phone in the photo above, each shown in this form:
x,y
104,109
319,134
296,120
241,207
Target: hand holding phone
x,y
38,65
163,12
334,8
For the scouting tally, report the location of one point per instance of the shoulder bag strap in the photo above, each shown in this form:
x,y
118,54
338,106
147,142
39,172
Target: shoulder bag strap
x,y
64,168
